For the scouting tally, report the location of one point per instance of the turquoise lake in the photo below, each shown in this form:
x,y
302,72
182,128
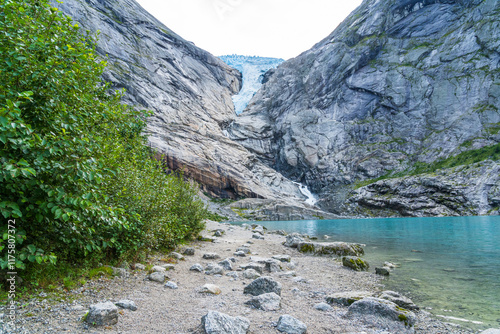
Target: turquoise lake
x,y
449,266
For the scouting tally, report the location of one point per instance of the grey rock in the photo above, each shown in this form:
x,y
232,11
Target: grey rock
x,y
265,302
257,236
233,274
126,304
300,280
168,266
139,266
245,250
214,269
251,274
384,271
196,267
177,256
171,285
120,272
282,258
332,248
290,325
227,264
188,251
258,267
491,331
102,314
219,233
157,276
293,240
272,266
240,254
347,298
218,323
211,256
323,307
381,308
355,263
398,299
289,274
159,269
210,289
263,285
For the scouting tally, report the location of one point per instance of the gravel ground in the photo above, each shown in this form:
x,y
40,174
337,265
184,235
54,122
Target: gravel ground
x,y
163,310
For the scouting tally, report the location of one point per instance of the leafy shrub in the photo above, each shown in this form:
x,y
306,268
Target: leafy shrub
x,y
75,173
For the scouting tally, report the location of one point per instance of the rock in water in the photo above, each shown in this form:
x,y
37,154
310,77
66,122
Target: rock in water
x,y
355,263
103,314
381,308
263,285
290,325
266,302
218,323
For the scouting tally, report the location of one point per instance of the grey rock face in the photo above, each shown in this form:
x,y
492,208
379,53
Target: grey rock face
x,y
381,308
263,285
189,91
459,191
103,314
395,84
290,325
266,302
218,323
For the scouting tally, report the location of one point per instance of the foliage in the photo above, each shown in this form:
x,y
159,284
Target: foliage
x,y
75,174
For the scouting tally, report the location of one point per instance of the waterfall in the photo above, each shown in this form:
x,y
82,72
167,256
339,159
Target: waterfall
x,y
311,199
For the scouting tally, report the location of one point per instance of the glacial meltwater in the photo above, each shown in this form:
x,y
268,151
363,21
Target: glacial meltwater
x,y
449,266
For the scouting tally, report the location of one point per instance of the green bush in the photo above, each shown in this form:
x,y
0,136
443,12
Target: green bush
x,y
75,174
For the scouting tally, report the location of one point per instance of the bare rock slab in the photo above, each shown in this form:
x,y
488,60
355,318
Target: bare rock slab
x,y
102,314
266,302
263,285
219,323
290,325
381,308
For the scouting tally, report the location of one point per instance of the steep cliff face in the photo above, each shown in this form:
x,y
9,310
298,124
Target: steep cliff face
x,y
398,82
189,91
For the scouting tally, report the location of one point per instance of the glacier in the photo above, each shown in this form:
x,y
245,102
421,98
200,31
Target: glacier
x,y
253,69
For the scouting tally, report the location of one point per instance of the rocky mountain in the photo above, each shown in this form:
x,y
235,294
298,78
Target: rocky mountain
x,y
254,71
189,90
398,84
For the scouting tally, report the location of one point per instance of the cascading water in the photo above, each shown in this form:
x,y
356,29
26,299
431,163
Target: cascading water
x,y
311,199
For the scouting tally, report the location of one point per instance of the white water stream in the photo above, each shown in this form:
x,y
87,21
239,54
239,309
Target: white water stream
x,y
311,199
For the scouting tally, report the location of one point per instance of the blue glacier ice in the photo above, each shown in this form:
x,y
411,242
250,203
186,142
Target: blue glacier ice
x,y
253,70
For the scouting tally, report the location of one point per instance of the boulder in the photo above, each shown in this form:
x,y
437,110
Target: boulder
x,y
293,240
227,264
171,285
258,267
347,298
263,285
126,304
383,271
211,256
332,248
157,276
213,269
196,267
218,323
188,251
251,274
381,308
355,263
102,314
266,302
399,300
210,289
159,269
290,325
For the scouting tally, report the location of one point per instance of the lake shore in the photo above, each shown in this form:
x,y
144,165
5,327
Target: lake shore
x,y
306,282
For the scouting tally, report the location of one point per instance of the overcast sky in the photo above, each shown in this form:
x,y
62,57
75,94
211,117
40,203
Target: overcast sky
x,y
267,28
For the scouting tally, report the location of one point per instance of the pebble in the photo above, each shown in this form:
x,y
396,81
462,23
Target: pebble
x,y
171,285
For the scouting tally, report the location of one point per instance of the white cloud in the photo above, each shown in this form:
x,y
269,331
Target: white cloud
x,y
272,28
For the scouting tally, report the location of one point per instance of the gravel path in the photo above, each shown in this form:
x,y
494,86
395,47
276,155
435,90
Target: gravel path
x,y
164,310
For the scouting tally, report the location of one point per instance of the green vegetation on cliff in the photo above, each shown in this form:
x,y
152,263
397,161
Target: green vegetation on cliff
x,y
77,182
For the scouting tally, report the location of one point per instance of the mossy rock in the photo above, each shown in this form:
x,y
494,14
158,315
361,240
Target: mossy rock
x,y
355,263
